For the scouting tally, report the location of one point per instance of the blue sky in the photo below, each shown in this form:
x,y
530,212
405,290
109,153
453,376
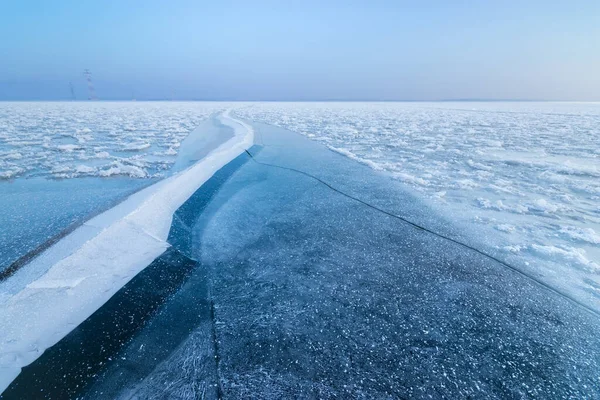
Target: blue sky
x,y
301,50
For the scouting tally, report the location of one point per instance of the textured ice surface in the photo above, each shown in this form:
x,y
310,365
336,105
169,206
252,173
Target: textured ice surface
x,y
72,139
36,210
127,239
301,292
292,299
104,147
288,299
525,177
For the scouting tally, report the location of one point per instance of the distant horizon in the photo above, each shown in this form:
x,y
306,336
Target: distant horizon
x,y
122,100
310,50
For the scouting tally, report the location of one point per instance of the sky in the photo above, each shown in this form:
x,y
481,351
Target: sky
x,y
301,50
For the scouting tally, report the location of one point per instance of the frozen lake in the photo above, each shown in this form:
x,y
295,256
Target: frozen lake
x,y
291,275
524,177
398,249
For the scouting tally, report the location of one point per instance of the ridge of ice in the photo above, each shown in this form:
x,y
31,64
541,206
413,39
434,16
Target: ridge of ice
x,y
130,236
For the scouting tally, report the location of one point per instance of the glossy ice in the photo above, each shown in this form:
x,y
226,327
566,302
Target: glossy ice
x,y
524,177
279,285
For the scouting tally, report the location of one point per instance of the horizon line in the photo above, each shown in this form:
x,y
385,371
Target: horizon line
x,y
466,100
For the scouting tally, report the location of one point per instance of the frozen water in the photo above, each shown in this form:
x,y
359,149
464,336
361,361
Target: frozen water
x,y
52,156
74,139
291,297
301,291
523,177
36,210
127,238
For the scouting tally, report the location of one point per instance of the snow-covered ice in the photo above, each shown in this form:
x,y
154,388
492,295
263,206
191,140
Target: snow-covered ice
x,y
125,240
74,139
524,177
61,162
321,279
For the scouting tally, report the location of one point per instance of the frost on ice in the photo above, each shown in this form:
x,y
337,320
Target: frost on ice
x,y
524,177
68,140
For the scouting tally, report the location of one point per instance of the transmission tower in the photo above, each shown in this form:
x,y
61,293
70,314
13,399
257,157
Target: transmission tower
x,y
92,92
73,97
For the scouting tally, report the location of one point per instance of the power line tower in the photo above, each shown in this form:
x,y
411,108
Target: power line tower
x,y
73,97
88,78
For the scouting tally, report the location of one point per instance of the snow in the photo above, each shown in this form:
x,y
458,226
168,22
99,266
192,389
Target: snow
x,y
68,148
568,254
127,238
118,168
136,146
523,177
37,137
11,173
582,234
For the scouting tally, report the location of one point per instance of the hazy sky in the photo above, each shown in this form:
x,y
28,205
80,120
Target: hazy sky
x,y
302,50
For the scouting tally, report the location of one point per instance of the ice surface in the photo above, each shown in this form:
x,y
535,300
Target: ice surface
x,y
59,184
74,139
36,210
129,237
199,143
523,177
289,299
299,301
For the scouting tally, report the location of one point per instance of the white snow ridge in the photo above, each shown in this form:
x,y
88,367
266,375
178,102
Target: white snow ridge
x,y
127,239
